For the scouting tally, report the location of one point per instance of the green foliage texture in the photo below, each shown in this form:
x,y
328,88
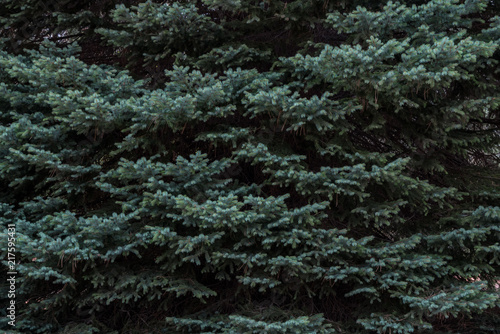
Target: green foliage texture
x,y
241,166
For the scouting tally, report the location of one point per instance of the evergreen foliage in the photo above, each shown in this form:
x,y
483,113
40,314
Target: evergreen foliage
x,y
237,166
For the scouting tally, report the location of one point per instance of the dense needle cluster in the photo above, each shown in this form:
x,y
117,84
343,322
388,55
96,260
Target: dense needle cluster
x,y
241,166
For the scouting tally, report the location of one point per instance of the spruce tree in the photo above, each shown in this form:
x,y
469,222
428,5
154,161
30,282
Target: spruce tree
x,y
234,166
